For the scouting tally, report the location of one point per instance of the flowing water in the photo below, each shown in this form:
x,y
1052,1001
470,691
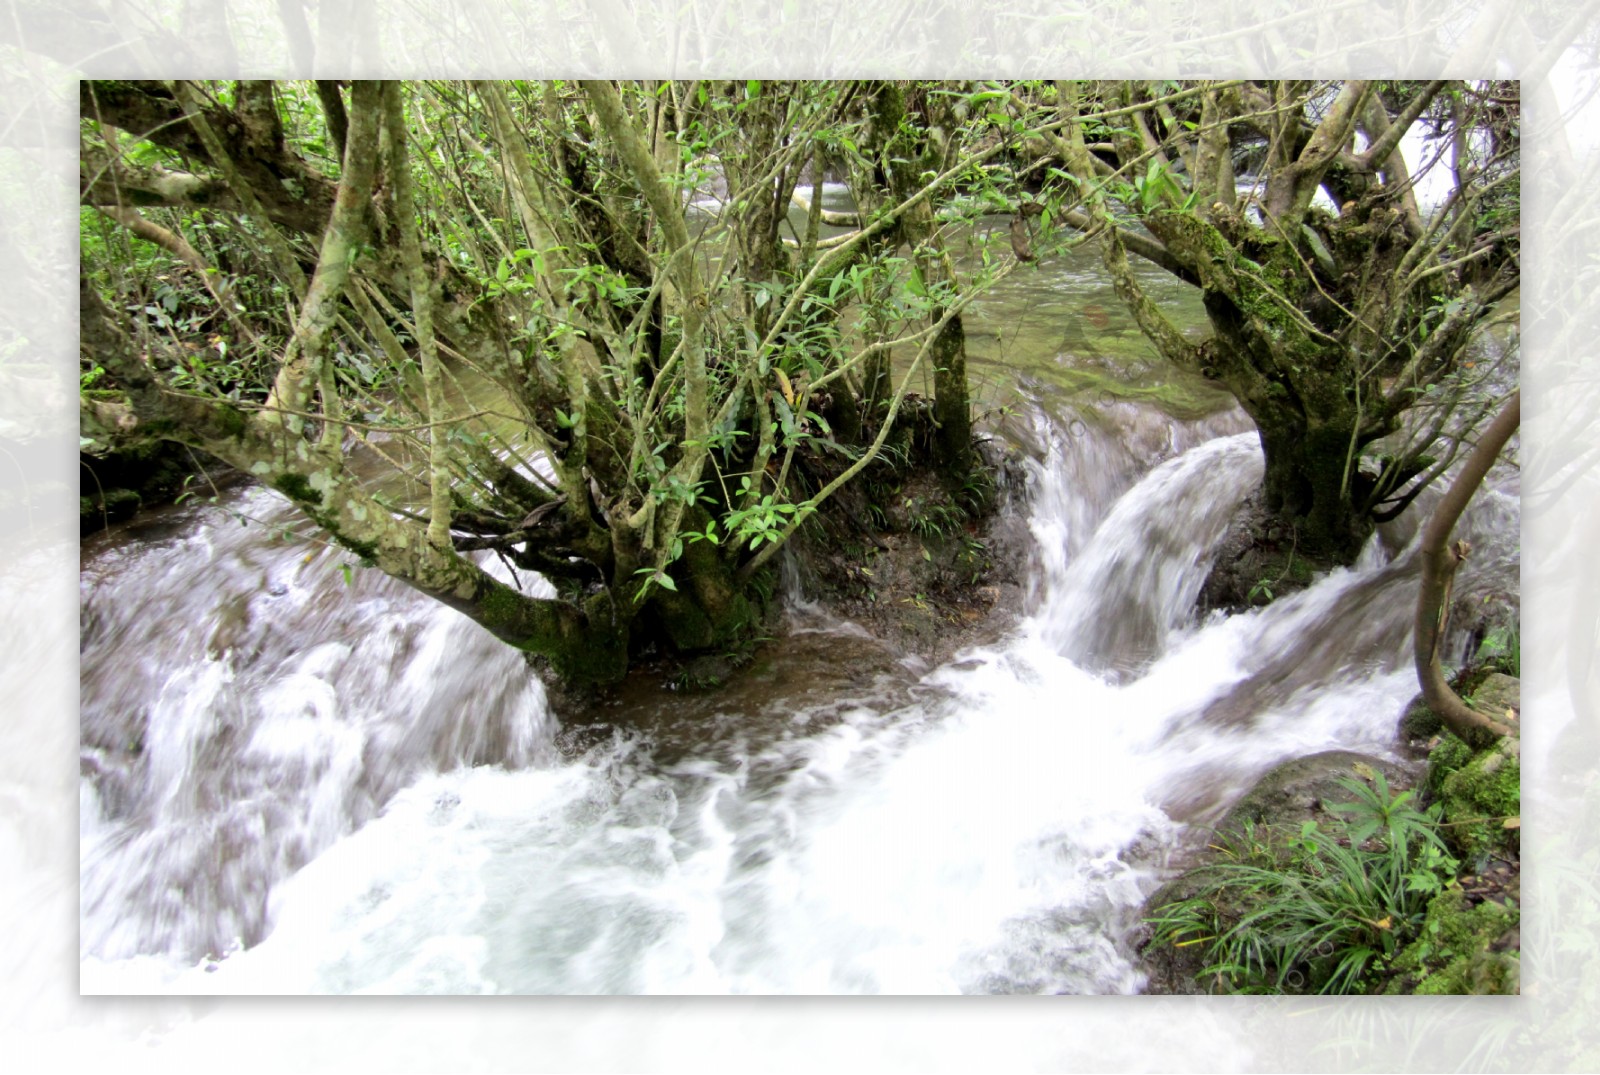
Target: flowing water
x,y
301,779
369,794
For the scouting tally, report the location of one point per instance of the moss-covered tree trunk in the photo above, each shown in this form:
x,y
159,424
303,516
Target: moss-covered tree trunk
x,y
1330,322
901,123
951,406
1304,484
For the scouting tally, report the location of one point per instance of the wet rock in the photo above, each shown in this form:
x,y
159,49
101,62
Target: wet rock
x,y
1279,803
1299,790
1499,695
1256,563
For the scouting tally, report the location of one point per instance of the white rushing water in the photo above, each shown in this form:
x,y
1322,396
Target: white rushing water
x,y
339,787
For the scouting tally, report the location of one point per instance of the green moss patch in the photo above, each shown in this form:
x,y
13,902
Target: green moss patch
x,y
1481,793
1459,949
296,488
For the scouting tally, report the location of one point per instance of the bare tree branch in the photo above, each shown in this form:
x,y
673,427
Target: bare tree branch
x,y
1440,560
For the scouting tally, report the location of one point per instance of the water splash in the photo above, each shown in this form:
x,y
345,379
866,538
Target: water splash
x,y
360,793
1138,577
231,731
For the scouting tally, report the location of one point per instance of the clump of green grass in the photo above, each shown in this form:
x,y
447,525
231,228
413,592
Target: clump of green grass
x,y
1318,911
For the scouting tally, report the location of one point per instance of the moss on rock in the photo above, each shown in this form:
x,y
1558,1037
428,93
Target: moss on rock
x,y
113,506
231,420
116,485
1480,792
1419,723
1458,950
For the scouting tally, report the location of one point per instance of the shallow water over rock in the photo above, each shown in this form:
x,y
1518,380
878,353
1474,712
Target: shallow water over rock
x,y
343,788
302,778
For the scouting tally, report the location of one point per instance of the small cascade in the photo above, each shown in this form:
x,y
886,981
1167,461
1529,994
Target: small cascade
x,y
299,783
1138,576
245,703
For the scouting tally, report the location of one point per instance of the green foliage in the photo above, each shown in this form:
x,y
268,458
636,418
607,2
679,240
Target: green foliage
x,y
1501,649
935,519
1158,188
175,315
1321,911
1375,811
763,519
653,577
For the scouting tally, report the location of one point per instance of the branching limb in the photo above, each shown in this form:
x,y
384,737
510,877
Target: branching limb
x,y
346,231
334,113
176,245
813,206
1152,322
1290,190
422,306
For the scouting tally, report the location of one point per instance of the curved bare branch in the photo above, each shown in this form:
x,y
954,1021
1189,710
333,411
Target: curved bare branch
x,y
1440,560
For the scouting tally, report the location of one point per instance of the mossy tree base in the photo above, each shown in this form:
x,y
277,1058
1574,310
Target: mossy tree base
x,y
1260,560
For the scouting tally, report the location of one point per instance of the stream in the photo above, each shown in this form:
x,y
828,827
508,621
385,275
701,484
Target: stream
x,y
300,778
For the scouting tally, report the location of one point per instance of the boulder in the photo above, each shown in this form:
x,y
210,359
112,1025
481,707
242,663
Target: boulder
x,y
1283,799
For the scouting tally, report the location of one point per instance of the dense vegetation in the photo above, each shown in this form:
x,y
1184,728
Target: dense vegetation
x,y
611,333
1393,890
1337,307
579,322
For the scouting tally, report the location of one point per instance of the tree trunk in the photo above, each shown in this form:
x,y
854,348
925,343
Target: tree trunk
x,y
953,446
710,609
1304,486
1299,397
